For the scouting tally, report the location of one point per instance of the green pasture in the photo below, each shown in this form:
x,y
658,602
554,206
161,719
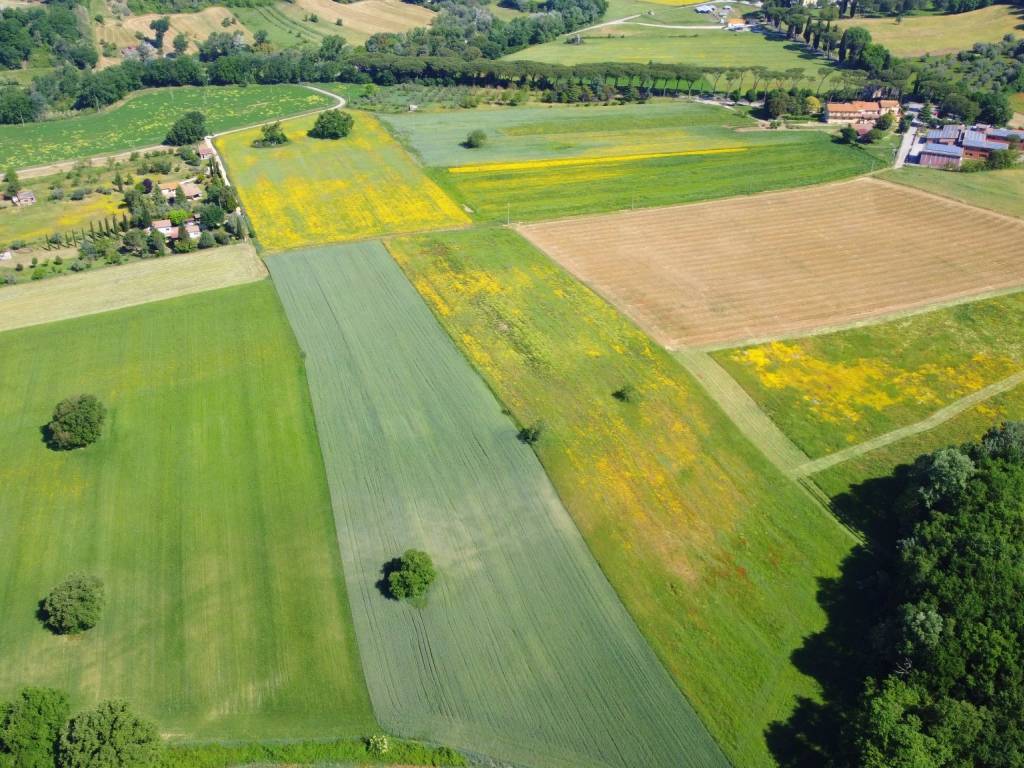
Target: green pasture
x,y
667,12
1001,191
203,508
522,651
699,47
544,132
714,553
838,389
143,118
285,26
763,161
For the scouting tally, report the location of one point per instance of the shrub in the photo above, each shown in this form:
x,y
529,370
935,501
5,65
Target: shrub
x,y
110,736
413,576
475,139
847,134
378,745
74,605
529,435
30,725
76,423
624,394
187,129
207,240
332,124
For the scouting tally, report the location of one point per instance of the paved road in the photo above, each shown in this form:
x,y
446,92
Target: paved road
x,y
905,146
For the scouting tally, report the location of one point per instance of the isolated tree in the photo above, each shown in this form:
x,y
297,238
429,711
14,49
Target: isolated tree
x,y
74,605
475,139
271,134
180,43
332,124
847,135
414,575
885,122
13,184
110,736
76,423
30,725
187,129
160,27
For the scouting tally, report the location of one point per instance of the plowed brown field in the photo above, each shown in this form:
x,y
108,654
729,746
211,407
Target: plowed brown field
x,y
783,263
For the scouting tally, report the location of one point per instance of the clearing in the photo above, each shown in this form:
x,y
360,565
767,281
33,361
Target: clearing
x,y
714,553
781,264
834,390
115,287
312,191
226,611
195,26
1000,191
522,651
943,33
143,118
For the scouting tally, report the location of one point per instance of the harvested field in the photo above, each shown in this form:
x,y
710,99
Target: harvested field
x,y
779,264
368,17
195,26
110,288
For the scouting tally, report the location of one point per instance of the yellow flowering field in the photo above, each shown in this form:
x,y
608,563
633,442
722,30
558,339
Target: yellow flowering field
x,y
312,191
834,390
48,217
565,162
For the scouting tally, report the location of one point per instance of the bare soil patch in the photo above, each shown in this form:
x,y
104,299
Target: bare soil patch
x,y
786,263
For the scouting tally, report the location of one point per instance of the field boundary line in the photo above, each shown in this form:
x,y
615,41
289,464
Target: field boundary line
x,y
930,422
931,195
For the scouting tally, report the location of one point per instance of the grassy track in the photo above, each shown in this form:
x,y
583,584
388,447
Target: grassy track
x,y
919,35
763,161
143,119
203,508
1001,191
523,651
714,553
831,391
311,191
700,47
541,133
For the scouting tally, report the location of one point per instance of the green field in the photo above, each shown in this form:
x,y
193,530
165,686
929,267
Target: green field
x,y
546,132
203,508
838,389
699,47
312,191
753,162
715,554
943,33
523,651
142,120
46,217
1001,191
285,26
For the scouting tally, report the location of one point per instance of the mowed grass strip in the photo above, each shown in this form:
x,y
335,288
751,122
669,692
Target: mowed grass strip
x,y
831,391
203,508
767,162
312,191
1000,191
116,287
143,118
522,651
713,552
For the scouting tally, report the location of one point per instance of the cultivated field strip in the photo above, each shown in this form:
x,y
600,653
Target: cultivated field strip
x,y
720,273
522,651
125,286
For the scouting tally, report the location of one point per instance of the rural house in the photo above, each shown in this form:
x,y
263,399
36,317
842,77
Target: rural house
x,y
187,189
860,111
24,197
204,150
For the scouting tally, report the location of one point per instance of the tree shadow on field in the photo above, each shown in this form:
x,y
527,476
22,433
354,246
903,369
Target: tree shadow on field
x,y
840,657
384,583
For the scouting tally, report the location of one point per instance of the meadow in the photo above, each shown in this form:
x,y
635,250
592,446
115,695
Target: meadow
x,y
943,33
195,26
830,391
226,613
286,26
751,162
1000,191
143,118
312,191
522,651
47,217
699,47
713,552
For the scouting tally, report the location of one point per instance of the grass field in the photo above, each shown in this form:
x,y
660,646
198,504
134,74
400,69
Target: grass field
x,y
195,26
830,391
523,651
700,47
1001,191
312,191
111,288
143,119
47,216
286,26
203,508
548,132
714,553
755,162
919,35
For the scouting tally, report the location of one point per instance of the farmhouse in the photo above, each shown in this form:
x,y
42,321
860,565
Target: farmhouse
x,y
950,145
860,111
24,197
187,189
204,150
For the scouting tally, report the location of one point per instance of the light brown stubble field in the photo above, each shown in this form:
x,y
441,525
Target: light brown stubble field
x,y
784,263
